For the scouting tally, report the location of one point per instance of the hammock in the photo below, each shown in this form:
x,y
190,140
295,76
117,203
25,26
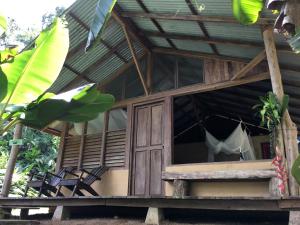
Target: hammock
x,y
237,143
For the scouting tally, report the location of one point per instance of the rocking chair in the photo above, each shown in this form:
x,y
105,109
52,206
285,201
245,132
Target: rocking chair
x,y
46,184
83,183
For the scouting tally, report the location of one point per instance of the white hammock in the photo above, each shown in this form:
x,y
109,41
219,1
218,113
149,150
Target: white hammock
x,y
237,142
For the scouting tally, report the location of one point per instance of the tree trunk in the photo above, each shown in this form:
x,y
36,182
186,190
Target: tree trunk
x,y
11,163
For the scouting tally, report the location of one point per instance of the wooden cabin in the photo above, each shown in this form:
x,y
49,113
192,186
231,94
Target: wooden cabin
x,y
177,73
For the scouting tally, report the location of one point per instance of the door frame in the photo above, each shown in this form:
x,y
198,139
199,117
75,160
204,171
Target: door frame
x,y
168,137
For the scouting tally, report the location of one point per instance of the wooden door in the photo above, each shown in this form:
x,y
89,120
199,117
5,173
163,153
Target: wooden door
x,y
148,149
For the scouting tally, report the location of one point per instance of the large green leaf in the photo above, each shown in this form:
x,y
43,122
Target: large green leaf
x,y
3,86
247,11
33,71
3,24
296,170
102,15
78,105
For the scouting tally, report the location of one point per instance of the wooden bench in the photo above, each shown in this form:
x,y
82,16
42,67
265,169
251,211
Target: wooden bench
x,y
182,180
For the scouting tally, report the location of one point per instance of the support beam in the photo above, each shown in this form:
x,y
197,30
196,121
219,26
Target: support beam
x,y
59,158
79,75
154,216
287,138
103,140
174,16
11,162
149,71
132,29
137,64
82,143
254,62
197,88
83,43
219,41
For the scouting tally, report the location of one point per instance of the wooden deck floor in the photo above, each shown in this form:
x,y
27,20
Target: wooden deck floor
x,y
235,203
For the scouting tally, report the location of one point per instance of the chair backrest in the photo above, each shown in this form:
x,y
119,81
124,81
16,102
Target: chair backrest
x,y
54,180
96,173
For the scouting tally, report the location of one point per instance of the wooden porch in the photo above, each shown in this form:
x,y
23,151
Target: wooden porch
x,y
213,203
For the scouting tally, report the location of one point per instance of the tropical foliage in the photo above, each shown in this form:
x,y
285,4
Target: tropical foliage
x,y
102,15
271,110
296,170
247,11
287,23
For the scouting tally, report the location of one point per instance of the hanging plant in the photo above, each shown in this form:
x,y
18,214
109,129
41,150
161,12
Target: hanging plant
x,y
271,110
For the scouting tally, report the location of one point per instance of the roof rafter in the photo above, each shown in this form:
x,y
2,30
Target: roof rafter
x,y
247,44
158,26
79,75
93,66
202,26
137,64
82,44
131,28
174,16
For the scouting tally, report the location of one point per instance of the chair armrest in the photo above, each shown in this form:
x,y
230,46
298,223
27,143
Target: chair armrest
x,y
89,173
52,174
74,174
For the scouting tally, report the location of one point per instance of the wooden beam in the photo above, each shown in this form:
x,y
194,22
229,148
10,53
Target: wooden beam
x,y
82,143
104,135
131,28
137,64
149,71
63,135
79,75
287,132
201,18
83,43
192,89
220,175
254,62
187,37
202,26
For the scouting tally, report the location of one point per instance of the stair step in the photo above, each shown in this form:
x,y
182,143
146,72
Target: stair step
x,y
19,222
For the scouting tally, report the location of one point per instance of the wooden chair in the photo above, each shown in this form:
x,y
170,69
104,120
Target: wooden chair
x,y
47,183
83,183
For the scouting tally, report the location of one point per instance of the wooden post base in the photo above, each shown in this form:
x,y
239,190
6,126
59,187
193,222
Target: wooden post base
x,y
180,188
61,213
294,218
154,216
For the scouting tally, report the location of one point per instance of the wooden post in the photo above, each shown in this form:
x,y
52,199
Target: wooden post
x,y
181,188
11,162
82,142
287,132
103,141
149,71
60,153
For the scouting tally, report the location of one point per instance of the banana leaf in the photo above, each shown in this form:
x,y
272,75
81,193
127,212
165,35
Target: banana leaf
x,y
3,86
296,170
247,11
79,105
33,71
102,15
